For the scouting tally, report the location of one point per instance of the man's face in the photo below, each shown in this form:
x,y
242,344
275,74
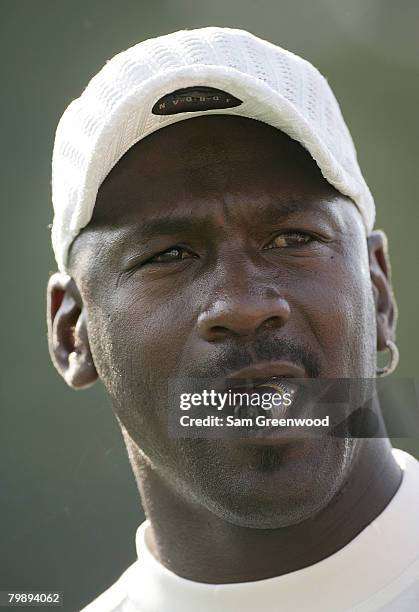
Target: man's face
x,y
216,244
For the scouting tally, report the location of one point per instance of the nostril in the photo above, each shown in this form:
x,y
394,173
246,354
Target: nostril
x,y
219,330
271,323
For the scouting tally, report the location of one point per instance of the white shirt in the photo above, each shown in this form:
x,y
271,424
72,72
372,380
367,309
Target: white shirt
x,y
377,570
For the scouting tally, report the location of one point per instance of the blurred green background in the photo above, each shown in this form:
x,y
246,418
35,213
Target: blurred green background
x,y
69,506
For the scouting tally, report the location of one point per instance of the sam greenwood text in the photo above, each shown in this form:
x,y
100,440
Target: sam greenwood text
x,y
260,421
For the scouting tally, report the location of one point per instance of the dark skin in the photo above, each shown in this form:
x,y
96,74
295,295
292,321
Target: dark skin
x,y
215,245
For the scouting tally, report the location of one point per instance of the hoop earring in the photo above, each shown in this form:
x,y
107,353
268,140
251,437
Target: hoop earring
x,y
394,360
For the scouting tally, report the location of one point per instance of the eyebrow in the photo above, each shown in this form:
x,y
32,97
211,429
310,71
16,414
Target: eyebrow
x,y
280,211
272,213
168,225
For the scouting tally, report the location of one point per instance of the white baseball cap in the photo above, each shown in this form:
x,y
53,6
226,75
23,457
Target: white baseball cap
x,y
180,76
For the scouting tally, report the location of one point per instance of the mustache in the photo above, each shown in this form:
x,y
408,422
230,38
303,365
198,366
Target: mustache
x,y
230,358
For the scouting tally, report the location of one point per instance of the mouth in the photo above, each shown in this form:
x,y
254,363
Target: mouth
x,y
277,369
276,384
273,397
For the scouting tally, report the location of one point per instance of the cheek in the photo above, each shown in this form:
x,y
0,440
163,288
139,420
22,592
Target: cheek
x,y
334,304
155,328
133,350
137,339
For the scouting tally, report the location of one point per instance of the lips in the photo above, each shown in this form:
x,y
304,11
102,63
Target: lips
x,y
267,380
260,371
273,397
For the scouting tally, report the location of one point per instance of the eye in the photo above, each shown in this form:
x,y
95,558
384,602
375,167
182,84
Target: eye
x,y
171,255
290,239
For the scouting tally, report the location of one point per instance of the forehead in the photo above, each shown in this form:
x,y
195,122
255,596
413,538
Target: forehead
x,y
211,157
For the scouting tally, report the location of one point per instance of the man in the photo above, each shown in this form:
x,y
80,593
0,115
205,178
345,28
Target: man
x,y
212,223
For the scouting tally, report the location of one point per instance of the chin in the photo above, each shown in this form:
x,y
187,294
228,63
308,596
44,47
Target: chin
x,y
272,487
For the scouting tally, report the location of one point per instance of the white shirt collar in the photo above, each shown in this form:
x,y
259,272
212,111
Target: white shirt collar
x,y
380,553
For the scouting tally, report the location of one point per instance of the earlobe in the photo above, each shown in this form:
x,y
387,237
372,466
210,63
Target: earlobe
x,y
67,332
385,305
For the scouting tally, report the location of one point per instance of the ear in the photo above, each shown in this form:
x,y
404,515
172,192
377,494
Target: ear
x,y
385,305
67,332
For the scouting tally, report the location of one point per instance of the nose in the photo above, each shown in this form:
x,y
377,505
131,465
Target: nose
x,y
242,317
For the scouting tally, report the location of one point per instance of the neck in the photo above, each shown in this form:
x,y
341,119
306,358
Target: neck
x,y
183,535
